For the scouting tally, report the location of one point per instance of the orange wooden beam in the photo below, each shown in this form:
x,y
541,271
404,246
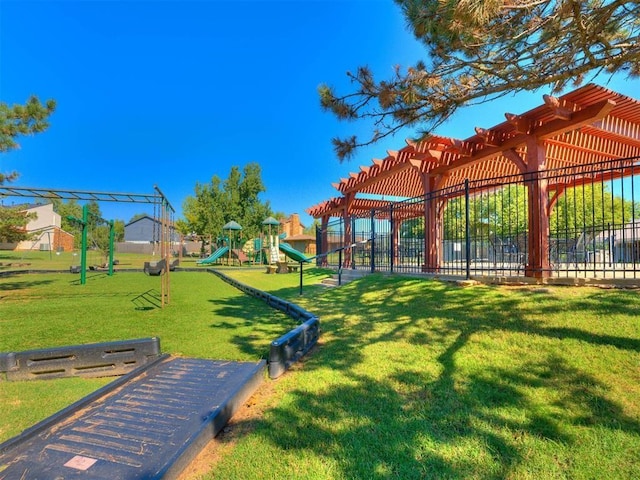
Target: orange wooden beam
x,y
547,130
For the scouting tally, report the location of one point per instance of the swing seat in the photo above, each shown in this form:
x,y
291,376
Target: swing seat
x,y
155,268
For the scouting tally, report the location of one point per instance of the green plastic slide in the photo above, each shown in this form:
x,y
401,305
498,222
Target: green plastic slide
x,y
293,254
214,256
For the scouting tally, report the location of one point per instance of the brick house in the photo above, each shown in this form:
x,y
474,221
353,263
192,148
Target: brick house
x,y
45,229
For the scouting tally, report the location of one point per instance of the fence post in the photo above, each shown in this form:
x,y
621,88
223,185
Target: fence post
x,y
353,241
373,241
318,245
392,242
467,228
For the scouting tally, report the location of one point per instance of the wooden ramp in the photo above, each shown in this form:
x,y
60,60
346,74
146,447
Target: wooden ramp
x,y
146,425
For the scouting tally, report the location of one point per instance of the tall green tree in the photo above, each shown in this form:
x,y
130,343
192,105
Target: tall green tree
x,y
252,210
15,121
478,50
220,201
19,120
71,208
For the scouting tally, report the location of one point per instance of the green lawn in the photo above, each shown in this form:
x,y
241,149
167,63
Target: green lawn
x,y
206,318
411,378
418,379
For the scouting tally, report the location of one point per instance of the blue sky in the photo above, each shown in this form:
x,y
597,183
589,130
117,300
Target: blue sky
x,y
174,92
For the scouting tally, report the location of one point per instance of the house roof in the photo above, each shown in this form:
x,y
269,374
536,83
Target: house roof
x,y
146,217
588,125
301,237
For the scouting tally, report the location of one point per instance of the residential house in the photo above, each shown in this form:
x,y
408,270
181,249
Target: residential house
x,y
45,229
295,235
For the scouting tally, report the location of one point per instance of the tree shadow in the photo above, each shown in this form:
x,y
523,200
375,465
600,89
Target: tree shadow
x,y
408,420
22,285
251,324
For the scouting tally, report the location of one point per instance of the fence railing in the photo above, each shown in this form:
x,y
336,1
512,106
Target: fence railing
x,y
482,227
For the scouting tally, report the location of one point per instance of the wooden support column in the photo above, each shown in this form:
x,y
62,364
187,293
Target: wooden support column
x,y
396,242
538,196
346,218
432,225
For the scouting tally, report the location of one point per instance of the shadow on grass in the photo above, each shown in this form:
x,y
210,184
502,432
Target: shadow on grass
x,y
446,417
250,324
7,287
89,277
149,300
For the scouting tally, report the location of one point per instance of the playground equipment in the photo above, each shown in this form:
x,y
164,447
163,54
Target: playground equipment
x,y
293,254
214,256
239,255
84,223
155,268
271,242
158,198
232,226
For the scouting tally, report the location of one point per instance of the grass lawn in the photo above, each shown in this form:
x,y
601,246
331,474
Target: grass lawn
x,y
418,379
411,378
206,318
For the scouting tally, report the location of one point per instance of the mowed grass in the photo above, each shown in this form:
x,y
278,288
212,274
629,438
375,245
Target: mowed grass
x,y
206,318
420,379
37,260
411,378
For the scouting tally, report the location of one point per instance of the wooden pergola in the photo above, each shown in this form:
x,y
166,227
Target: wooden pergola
x,y
588,125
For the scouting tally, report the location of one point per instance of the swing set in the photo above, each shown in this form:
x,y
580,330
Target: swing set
x,y
158,199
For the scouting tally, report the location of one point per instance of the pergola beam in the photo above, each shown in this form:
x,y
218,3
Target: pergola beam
x,y
547,130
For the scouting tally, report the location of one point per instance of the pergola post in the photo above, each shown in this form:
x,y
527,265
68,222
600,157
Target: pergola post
x,y
538,196
347,240
432,226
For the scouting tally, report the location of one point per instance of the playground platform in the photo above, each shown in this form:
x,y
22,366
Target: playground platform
x,y
148,424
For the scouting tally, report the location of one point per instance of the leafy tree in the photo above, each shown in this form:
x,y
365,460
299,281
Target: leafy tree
x,y
15,121
591,208
311,229
72,208
182,227
202,213
218,202
18,120
95,215
479,50
252,210
13,223
118,230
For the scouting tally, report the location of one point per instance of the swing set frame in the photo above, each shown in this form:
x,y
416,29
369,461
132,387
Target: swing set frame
x,y
158,199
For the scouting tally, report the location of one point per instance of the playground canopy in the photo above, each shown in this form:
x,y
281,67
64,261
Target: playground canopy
x,y
232,225
588,125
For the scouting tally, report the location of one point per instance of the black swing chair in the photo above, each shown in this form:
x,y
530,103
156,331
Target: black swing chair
x,y
155,268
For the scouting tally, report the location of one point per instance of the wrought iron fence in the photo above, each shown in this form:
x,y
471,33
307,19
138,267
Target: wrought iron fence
x,y
482,227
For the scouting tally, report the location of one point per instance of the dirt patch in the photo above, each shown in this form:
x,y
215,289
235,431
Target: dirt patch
x,y
242,422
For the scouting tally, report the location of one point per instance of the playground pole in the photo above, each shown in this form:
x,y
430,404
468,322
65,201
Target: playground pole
x,y
83,252
301,277
112,235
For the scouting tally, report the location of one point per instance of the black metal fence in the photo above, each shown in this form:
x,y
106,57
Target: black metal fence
x,y
482,227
